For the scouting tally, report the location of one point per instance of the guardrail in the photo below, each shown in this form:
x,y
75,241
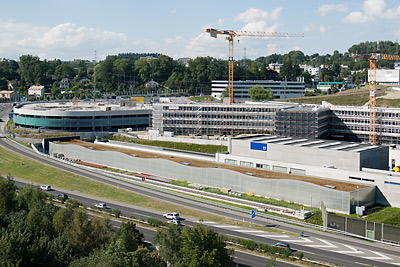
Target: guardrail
x,y
162,188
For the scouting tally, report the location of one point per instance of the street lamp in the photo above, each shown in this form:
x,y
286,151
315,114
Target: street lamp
x,y
358,201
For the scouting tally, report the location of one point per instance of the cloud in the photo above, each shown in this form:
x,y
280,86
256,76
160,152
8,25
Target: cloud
x,y
64,41
322,29
325,9
259,20
309,28
372,10
254,15
174,40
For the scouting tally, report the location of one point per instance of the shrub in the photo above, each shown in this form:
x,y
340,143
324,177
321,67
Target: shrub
x,y
154,222
116,213
250,245
73,202
300,255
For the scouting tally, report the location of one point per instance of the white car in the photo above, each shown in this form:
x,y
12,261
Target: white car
x,y
45,187
176,222
101,205
172,216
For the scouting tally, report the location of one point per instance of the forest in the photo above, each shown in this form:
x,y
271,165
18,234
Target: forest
x,y
37,232
128,73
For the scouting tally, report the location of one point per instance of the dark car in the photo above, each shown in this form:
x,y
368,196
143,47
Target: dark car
x,y
61,195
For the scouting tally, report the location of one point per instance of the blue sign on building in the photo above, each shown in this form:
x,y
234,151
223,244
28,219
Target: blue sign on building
x,y
258,146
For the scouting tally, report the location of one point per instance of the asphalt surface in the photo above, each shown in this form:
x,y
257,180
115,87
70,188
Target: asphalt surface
x,y
129,210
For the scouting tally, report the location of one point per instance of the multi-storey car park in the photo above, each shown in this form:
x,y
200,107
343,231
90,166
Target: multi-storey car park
x,y
87,118
280,118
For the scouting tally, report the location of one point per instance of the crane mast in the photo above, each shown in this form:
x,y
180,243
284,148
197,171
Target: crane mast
x,y
373,57
230,36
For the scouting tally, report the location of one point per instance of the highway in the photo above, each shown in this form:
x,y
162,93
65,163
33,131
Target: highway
x,y
325,247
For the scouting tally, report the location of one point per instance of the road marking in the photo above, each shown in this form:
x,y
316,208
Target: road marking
x,y
352,250
328,245
365,264
308,252
381,256
230,226
252,231
303,240
275,236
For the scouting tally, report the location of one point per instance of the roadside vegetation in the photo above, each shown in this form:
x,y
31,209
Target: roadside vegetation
x,y
353,99
38,233
209,149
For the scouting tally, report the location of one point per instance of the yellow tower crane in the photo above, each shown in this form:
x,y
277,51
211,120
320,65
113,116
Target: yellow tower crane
x,y
230,35
373,57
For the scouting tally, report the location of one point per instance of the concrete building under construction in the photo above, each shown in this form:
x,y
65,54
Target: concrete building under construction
x,y
249,118
280,118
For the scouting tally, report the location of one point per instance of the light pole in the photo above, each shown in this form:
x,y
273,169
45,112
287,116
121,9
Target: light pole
x,y
358,201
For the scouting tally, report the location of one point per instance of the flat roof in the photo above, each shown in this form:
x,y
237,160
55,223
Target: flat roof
x,y
312,143
79,106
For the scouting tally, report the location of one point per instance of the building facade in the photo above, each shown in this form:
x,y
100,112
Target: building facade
x,y
93,118
281,89
248,118
288,119
8,95
386,76
36,90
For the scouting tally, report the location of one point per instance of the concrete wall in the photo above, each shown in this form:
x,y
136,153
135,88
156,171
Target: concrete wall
x,y
299,155
288,190
344,160
387,183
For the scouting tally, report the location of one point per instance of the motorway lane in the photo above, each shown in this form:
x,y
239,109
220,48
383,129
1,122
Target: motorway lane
x,y
321,254
143,213
242,259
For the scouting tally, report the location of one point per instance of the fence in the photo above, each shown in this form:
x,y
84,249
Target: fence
x,y
370,230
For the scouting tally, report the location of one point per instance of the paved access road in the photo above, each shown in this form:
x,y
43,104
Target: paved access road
x,y
322,246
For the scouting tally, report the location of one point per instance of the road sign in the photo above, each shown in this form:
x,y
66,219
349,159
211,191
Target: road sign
x,y
253,214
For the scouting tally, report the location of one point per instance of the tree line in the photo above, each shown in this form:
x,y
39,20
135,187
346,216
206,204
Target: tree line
x,y
128,73
35,232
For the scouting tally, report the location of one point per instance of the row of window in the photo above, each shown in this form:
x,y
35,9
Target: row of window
x,y
84,117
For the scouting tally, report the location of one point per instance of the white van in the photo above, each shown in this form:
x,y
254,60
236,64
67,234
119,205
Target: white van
x,y
45,187
172,216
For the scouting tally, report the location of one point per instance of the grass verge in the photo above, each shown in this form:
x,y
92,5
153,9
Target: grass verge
x,y
209,149
21,167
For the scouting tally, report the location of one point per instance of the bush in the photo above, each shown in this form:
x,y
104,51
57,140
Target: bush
x,y
271,262
154,222
300,255
116,213
250,245
286,253
73,202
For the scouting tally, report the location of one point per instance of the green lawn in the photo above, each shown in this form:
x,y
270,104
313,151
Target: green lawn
x,y
21,167
355,99
210,149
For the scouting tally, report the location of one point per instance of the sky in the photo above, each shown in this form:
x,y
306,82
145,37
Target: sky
x,y
93,29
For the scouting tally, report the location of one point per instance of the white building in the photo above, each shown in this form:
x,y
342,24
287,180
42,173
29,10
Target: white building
x,y
386,76
36,90
281,89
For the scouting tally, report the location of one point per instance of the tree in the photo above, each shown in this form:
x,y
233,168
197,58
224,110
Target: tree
x,y
129,237
203,247
259,93
169,243
7,196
